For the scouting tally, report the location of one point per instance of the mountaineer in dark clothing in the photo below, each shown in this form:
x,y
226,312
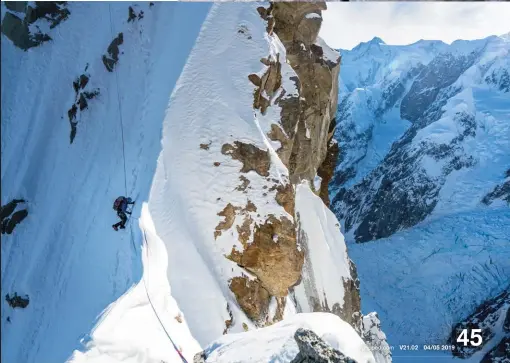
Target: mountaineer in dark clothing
x,y
120,206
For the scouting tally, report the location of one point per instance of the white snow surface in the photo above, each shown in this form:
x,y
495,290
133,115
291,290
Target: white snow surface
x,y
129,330
276,344
374,62
212,104
329,53
65,254
81,275
326,262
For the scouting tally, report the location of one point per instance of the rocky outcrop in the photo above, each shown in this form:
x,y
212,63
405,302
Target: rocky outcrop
x,y
20,21
400,192
132,15
81,99
437,75
305,115
501,191
299,84
270,251
491,317
375,338
111,59
10,218
313,349
16,301
500,353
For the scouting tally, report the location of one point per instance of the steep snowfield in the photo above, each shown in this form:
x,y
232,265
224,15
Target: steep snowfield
x,y
276,343
212,104
129,330
327,262
166,279
65,255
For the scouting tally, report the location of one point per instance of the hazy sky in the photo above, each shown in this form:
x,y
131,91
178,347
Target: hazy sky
x,y
346,24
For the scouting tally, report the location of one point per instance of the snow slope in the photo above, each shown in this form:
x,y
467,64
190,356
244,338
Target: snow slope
x,y
65,255
80,270
276,344
326,263
129,330
212,104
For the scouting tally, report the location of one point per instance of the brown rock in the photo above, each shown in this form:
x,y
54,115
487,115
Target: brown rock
x,y
228,322
216,163
205,146
291,23
277,264
251,296
251,156
285,197
244,183
327,170
244,231
254,79
311,112
113,53
229,212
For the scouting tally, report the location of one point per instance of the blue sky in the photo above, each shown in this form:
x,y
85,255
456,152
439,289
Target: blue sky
x,y
346,24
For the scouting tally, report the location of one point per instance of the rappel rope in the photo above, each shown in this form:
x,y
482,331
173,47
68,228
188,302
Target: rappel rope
x,y
120,109
154,309
125,187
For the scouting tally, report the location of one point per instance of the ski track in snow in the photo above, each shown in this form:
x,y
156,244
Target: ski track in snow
x,y
70,188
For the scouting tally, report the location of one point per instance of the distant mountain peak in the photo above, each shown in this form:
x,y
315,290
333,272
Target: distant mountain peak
x,y
505,36
376,40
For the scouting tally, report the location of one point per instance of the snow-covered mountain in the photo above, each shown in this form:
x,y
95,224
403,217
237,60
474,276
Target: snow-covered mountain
x,y
216,119
424,169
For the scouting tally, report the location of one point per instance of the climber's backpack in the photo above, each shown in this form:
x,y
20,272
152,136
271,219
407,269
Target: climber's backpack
x,y
118,203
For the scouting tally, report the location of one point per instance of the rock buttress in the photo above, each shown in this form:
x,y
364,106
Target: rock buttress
x,y
306,117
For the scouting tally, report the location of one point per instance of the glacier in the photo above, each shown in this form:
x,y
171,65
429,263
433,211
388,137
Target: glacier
x,y
428,273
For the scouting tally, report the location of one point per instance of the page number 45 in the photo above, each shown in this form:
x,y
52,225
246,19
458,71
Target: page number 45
x,y
475,340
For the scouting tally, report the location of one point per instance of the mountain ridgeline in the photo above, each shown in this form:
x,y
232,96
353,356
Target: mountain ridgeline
x,y
407,119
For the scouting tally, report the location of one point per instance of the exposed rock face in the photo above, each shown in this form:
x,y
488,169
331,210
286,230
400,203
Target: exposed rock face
x,y
501,191
313,349
16,301
301,85
251,156
375,338
492,318
327,169
378,192
251,296
110,60
15,24
277,265
81,99
500,353
11,218
438,74
305,116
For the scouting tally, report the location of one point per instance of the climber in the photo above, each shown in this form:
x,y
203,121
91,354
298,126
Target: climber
x,y
120,206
